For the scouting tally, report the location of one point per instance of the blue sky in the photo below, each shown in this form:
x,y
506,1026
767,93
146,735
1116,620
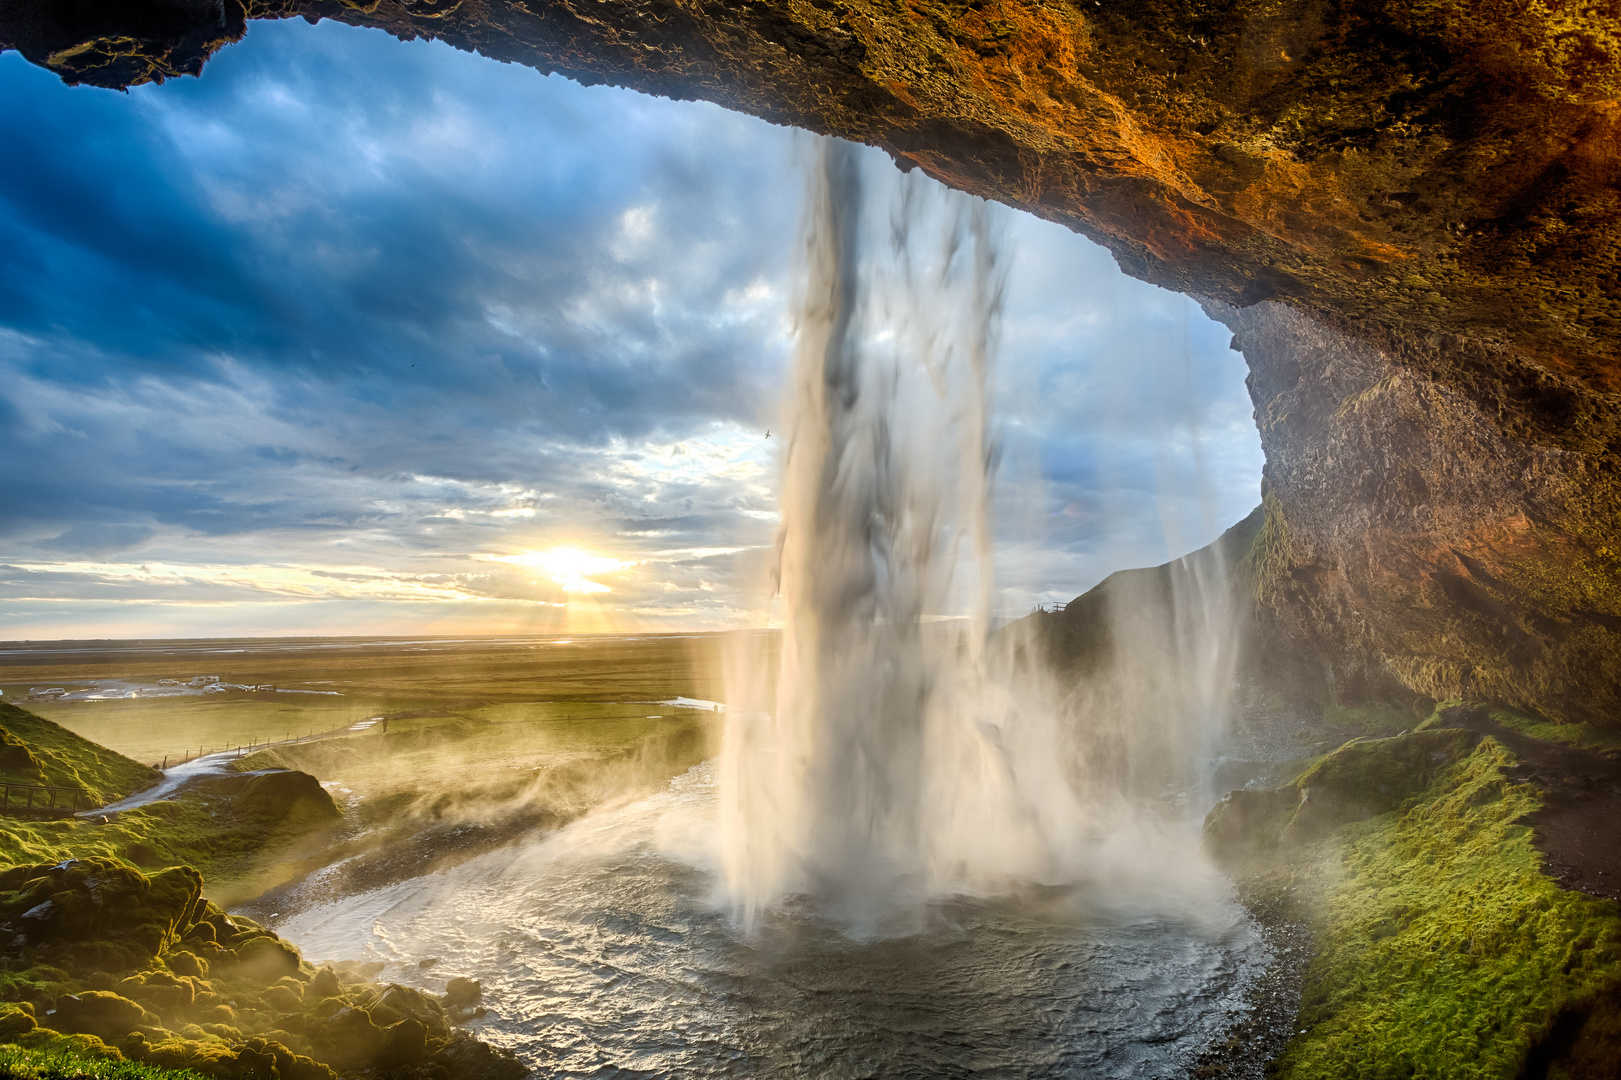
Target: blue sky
x,y
336,337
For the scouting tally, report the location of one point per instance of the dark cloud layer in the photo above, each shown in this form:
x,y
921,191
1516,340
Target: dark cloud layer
x,y
333,324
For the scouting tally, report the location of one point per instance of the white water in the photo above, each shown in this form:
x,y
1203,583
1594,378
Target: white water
x,y
898,759
916,857
601,956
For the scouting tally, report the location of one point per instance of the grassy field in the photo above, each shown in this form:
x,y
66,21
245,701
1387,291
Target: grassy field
x,y
506,734
394,678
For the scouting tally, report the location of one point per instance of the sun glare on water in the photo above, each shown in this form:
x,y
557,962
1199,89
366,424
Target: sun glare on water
x,y
572,569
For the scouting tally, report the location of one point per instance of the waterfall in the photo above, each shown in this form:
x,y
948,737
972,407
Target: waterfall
x,y
882,754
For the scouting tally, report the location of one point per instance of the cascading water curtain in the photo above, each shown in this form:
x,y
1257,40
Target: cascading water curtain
x,y
888,766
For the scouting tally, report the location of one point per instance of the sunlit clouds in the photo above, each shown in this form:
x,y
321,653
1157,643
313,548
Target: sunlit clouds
x,y
360,335
569,568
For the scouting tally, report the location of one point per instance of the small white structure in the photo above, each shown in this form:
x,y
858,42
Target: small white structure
x,y
204,680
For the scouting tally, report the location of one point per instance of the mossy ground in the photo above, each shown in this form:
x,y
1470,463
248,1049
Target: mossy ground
x,y
19,1064
1582,736
1442,950
206,829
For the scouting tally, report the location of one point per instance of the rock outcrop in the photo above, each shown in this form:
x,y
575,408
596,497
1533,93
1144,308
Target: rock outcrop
x,y
100,960
1444,519
1426,195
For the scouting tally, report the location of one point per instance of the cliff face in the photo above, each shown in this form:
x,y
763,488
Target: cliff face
x,y
1444,518
1427,193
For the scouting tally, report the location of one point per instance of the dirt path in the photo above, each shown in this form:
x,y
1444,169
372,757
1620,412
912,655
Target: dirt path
x,y
182,776
1578,830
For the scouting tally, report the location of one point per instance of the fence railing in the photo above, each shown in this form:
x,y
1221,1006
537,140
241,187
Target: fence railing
x,y
242,750
42,797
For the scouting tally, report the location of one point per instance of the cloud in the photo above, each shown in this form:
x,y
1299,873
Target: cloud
x,y
365,313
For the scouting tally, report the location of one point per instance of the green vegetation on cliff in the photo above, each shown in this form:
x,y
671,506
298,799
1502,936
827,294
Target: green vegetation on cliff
x,y
1582,736
226,828
1442,949
33,750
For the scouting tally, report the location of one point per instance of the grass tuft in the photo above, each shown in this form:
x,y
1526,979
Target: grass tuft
x,y
19,1064
1444,951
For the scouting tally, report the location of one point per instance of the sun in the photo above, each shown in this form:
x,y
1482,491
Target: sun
x,y
570,568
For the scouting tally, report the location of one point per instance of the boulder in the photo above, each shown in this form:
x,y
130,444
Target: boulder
x,y
275,797
469,1059
266,957
97,912
101,1013
347,1037
463,993
404,1043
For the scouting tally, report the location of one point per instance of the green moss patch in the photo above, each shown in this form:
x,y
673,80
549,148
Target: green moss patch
x,y
1582,736
1442,949
19,1064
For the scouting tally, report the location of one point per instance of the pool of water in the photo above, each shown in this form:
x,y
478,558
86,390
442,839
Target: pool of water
x,y
604,953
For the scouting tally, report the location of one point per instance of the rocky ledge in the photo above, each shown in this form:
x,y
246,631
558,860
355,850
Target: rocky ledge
x,y
103,961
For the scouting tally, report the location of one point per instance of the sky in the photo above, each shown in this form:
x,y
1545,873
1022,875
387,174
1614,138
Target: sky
x,y
355,336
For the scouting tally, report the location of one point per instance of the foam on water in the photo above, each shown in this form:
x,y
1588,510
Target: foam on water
x,y
601,955
918,855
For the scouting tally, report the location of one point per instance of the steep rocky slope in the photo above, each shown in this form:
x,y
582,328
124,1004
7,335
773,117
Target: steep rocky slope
x,y
1444,519
1426,193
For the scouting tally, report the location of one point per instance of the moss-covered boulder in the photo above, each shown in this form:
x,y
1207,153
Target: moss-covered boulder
x,y
347,1037
97,912
469,1059
277,797
1362,779
106,1015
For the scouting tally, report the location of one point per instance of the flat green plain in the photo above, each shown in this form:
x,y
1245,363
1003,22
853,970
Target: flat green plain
x,y
584,690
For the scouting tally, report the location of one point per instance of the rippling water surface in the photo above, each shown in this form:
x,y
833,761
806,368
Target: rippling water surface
x,y
602,955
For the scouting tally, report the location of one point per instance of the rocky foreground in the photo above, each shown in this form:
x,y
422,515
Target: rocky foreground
x,y
106,962
109,952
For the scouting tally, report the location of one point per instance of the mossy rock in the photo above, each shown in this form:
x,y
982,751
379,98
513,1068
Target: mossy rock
x,y
98,912
278,797
415,1005
265,958
325,984
347,1037
107,1015
469,1059
1362,779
